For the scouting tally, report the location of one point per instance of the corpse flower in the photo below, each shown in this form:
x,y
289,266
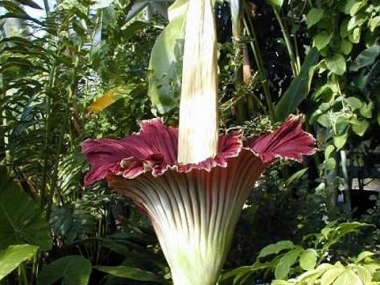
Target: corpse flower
x,y
193,207
190,182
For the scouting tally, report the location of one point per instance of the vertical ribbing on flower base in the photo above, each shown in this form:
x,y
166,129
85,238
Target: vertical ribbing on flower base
x,y
198,120
194,214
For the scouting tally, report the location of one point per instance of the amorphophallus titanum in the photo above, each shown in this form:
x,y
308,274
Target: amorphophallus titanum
x,y
190,182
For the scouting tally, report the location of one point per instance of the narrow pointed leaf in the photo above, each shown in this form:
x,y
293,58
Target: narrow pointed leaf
x,y
299,87
110,97
30,3
131,273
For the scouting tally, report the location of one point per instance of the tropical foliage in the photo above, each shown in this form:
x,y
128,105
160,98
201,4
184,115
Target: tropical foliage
x,y
92,69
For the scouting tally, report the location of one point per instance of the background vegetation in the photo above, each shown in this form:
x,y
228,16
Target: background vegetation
x,y
83,71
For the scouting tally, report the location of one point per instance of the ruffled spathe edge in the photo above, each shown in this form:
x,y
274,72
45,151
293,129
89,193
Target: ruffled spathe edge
x,y
154,149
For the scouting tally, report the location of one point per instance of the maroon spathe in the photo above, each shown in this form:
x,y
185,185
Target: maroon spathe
x,y
154,149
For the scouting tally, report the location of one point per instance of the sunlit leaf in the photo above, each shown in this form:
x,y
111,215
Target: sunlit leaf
x,y
346,277
313,17
308,259
332,274
373,23
282,268
363,273
110,97
340,140
355,35
322,39
363,256
13,256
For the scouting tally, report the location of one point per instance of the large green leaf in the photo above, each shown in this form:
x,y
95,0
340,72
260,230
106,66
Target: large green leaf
x,y
13,256
21,219
132,273
165,66
71,270
299,87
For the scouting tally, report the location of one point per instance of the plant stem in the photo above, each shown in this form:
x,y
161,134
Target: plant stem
x,y
293,62
261,70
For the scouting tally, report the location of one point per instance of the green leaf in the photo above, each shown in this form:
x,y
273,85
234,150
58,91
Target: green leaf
x,y
313,17
343,31
30,3
360,126
354,37
345,46
177,9
363,255
340,140
21,219
345,6
354,103
282,268
331,163
365,58
356,21
276,4
275,248
295,176
363,273
322,39
366,110
374,23
308,259
336,64
165,67
332,274
72,270
347,277
132,273
13,256
299,87
280,282
240,271
357,6
329,151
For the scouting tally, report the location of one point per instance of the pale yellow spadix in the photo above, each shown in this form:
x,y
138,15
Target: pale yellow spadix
x,y
198,120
